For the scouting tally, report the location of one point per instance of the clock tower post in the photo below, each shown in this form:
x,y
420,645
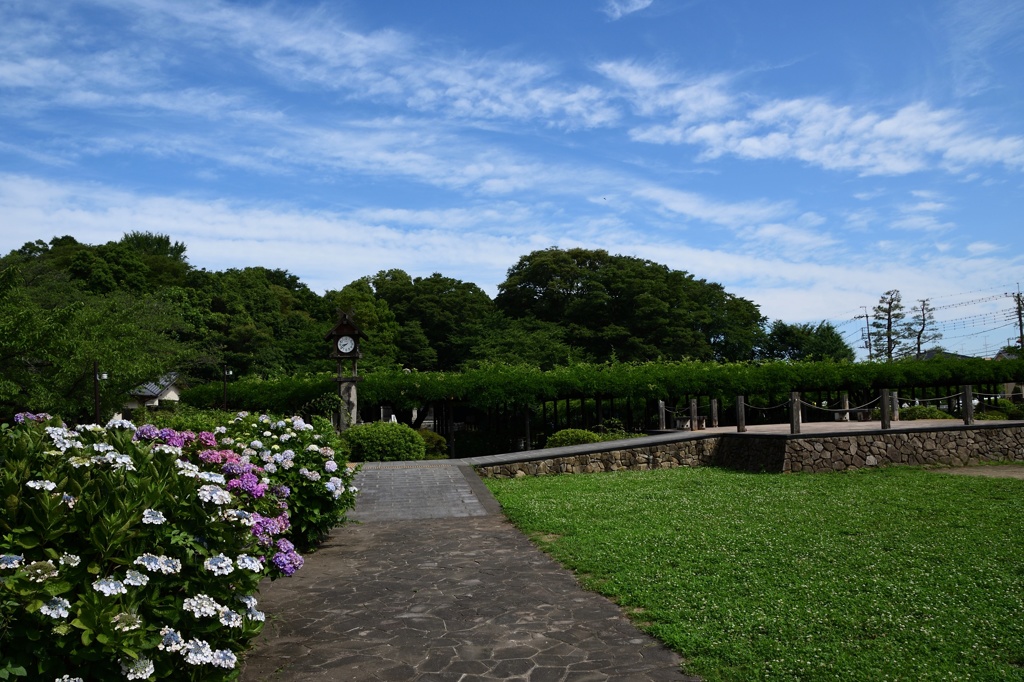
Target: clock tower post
x,y
344,338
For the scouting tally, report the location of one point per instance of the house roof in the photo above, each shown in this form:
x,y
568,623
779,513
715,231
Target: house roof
x,y
155,389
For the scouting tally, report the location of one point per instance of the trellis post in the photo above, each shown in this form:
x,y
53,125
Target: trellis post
x,y
794,412
968,404
741,414
886,404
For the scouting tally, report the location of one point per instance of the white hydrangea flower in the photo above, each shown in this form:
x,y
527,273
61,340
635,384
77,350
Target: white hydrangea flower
x,y
126,622
71,560
187,469
165,449
214,494
202,605
154,517
40,571
141,669
249,563
212,477
240,516
109,587
250,608
121,424
8,561
229,618
56,608
158,564
197,652
172,640
219,565
135,579
42,485
223,658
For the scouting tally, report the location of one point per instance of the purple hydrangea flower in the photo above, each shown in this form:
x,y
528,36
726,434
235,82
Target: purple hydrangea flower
x,y
208,439
248,483
146,432
287,560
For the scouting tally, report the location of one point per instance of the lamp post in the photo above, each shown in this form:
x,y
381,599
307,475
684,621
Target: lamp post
x,y
227,373
97,377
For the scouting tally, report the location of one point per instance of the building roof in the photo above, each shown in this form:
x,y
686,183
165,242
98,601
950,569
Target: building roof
x,y
155,389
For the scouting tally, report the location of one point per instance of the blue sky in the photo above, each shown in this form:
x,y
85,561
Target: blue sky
x,y
807,155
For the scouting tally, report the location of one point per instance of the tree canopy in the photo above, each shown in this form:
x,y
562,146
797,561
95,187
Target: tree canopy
x,y
140,309
624,308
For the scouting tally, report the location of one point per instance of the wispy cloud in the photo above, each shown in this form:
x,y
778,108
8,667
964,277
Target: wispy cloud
x,y
616,9
977,30
700,208
817,132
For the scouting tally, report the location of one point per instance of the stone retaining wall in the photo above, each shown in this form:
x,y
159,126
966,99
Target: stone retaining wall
x,y
955,446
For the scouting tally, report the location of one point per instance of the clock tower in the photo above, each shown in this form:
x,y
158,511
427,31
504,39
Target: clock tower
x,y
344,339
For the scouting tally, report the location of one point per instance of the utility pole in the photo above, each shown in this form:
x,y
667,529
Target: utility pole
x,y
867,326
1018,298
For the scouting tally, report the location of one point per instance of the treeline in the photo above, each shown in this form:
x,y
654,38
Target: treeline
x,y
136,309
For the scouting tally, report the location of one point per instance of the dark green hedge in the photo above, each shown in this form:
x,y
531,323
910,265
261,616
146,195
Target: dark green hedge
x,y
496,386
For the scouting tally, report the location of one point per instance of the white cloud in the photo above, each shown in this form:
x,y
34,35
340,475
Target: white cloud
x,y
913,138
616,9
976,29
981,248
697,207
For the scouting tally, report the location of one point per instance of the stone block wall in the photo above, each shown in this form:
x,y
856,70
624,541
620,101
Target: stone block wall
x,y
956,446
952,447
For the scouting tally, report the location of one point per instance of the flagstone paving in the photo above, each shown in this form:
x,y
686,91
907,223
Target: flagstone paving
x,y
430,583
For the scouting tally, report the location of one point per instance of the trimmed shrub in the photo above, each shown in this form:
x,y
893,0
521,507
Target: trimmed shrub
x,y
923,412
572,437
384,442
436,444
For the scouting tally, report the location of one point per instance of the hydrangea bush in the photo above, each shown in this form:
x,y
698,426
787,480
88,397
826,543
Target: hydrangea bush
x,y
308,462
136,553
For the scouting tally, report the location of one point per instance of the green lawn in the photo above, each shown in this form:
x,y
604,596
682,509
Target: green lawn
x,y
892,574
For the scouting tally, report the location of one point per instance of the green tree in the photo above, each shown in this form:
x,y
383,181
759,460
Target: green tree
x,y
448,314
626,308
805,341
890,331
921,327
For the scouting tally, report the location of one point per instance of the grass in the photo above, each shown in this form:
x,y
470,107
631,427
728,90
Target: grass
x,y
891,574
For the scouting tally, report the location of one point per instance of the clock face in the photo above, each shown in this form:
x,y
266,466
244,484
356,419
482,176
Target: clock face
x,y
346,344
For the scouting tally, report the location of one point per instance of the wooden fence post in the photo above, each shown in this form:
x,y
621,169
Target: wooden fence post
x,y
794,412
844,405
741,414
968,404
714,413
896,406
693,414
661,415
886,405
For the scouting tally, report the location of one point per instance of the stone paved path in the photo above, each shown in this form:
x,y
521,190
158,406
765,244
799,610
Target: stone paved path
x,y
433,584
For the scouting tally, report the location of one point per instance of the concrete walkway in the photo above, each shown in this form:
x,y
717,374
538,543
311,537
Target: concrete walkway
x,y
431,583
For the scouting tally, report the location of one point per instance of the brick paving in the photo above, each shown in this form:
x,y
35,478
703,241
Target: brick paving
x,y
431,583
